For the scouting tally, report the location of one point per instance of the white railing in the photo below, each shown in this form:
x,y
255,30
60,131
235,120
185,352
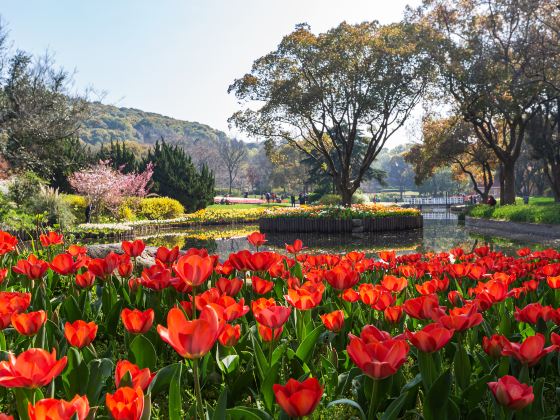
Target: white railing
x,y
432,201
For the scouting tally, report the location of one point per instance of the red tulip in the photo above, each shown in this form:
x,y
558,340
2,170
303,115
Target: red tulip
x,y
342,277
256,239
298,399
140,377
460,319
372,334
211,295
125,267
126,403
261,286
262,261
8,242
273,316
133,249
29,323
455,298
167,256
51,238
232,310
306,297
3,273
266,333
6,417
296,247
53,409
104,267
529,351
511,393
77,251
10,303
261,303
194,270
422,307
230,335
531,313
350,295
387,256
64,264
80,333
229,287
136,321
31,369
393,314
553,282
431,338
494,345
191,339
380,359
85,280
33,268
156,277
334,320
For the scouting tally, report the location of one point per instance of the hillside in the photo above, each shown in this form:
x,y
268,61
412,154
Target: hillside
x,y
109,122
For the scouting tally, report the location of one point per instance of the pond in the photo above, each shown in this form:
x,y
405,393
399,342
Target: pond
x,y
442,231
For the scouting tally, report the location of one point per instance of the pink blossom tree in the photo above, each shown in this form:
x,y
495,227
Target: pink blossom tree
x,y
106,187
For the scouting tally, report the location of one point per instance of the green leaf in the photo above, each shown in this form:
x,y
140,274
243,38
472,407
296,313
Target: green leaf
x,y
143,353
163,377
427,368
474,393
99,371
462,366
305,349
266,387
71,309
247,413
175,395
436,398
262,364
393,410
220,411
228,364
112,319
75,376
351,403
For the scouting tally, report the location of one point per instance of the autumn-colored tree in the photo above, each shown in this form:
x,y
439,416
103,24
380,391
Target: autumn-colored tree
x,y
488,60
318,92
451,142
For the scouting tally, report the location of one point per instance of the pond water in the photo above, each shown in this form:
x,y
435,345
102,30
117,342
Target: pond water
x,y
442,231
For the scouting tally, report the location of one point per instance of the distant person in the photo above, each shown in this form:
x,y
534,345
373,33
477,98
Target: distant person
x,y
491,201
301,199
293,200
374,198
88,213
267,195
246,194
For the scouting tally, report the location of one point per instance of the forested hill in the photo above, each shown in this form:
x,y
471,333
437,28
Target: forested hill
x,y
109,122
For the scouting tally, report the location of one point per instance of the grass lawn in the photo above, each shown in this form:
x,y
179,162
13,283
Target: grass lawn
x,y
539,210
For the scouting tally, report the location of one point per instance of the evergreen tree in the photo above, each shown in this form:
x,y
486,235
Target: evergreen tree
x,y
176,176
119,155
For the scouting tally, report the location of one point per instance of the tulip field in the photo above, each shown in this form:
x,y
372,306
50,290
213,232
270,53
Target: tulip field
x,y
263,335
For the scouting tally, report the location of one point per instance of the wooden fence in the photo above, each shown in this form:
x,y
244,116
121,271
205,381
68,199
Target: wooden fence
x,y
327,225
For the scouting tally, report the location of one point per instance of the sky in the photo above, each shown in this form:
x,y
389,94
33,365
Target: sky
x,y
174,57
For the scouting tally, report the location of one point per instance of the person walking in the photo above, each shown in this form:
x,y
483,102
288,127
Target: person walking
x,y
293,200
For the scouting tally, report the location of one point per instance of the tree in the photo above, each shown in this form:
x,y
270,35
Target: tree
x,y
232,152
106,187
40,118
119,155
318,92
399,172
452,142
176,176
488,63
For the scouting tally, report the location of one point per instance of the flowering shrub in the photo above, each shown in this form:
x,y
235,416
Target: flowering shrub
x,y
269,335
356,211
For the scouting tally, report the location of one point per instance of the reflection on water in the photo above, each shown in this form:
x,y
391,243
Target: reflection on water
x,y
442,231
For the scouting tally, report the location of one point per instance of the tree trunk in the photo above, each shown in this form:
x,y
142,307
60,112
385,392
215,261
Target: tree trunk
x,y
554,179
346,195
507,193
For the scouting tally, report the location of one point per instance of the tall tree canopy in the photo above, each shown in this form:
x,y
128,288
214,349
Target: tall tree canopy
x,y
318,92
490,60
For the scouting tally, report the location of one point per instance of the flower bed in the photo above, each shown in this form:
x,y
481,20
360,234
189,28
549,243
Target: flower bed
x,y
265,335
356,211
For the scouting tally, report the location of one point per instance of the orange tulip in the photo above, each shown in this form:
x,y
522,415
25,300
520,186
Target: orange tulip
x,y
261,286
393,314
266,333
140,377
350,295
393,283
51,238
306,297
29,323
334,320
76,250
85,280
31,369
133,249
232,310
136,321
298,399
10,303
511,393
80,333
230,335
191,339
3,273
126,403
194,270
553,282
296,247
342,277
53,409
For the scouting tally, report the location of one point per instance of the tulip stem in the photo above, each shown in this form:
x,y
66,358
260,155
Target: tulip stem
x,y
374,399
193,302
197,390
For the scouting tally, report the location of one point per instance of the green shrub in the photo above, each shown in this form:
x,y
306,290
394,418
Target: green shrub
x,y
158,208
50,202
330,200
359,198
538,211
25,187
77,204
